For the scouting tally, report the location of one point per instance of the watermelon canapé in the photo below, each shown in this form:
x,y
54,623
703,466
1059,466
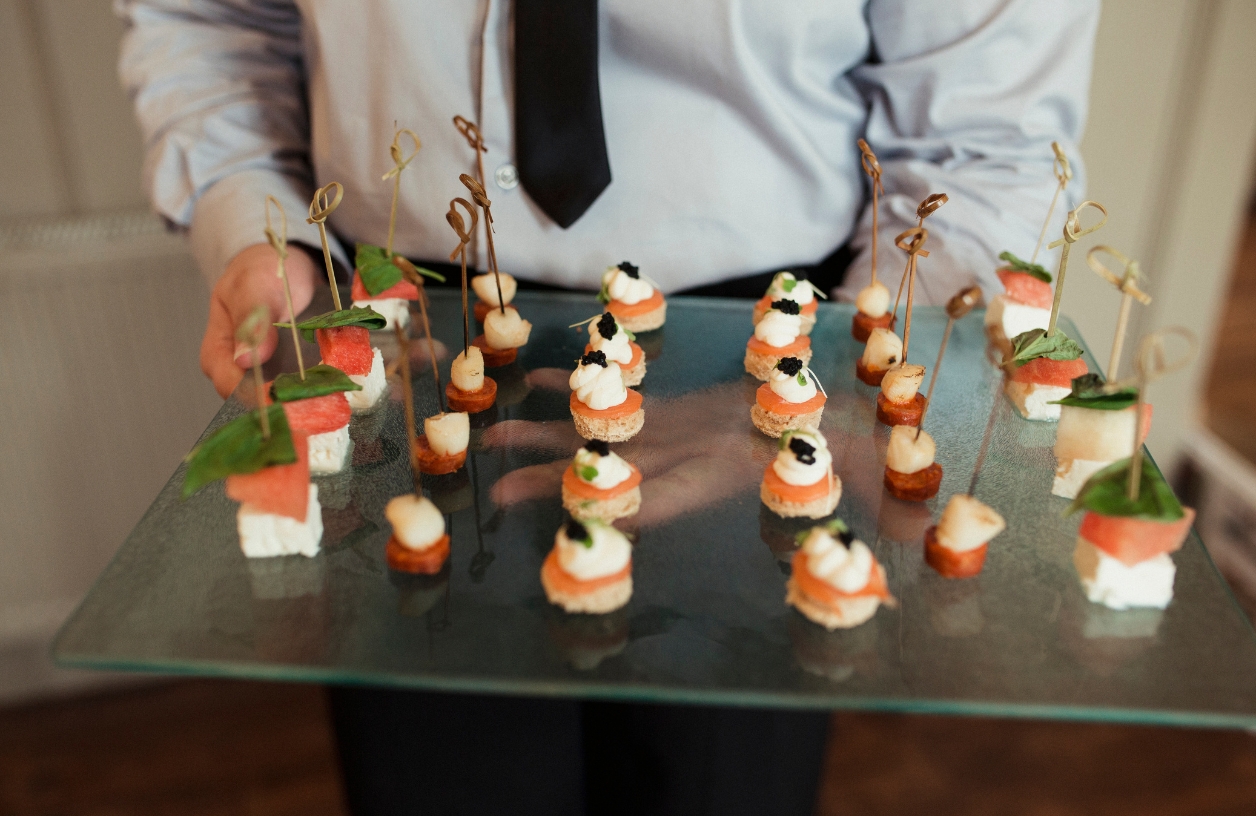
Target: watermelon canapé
x,y
316,415
1042,371
283,490
1131,540
1025,288
402,289
347,348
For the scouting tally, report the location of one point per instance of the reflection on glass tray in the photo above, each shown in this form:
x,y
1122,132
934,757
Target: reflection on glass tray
x,y
707,621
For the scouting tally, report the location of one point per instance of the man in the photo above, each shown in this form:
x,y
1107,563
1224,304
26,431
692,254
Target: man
x,y
705,140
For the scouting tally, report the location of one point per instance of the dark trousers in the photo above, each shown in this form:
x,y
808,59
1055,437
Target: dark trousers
x,y
416,753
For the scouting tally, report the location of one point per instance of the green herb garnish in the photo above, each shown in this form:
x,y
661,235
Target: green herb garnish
x,y
834,527
802,378
239,447
1090,391
361,316
587,472
604,294
379,273
1105,493
788,284
1035,343
1017,265
319,381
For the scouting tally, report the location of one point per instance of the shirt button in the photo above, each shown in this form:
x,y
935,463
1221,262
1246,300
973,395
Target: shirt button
x,y
507,177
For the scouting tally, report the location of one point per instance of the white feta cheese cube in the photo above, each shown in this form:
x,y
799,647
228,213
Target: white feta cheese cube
x,y
395,311
1033,400
329,451
373,385
265,535
1109,582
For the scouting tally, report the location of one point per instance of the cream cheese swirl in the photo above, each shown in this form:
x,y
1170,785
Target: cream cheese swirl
x,y
591,550
846,569
598,384
778,329
785,286
797,387
803,459
623,283
608,337
597,465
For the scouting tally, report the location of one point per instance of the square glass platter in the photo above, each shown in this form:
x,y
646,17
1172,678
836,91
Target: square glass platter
x,y
707,622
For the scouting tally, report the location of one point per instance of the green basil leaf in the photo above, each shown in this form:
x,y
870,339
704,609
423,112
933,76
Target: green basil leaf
x,y
363,317
588,473
1091,391
1035,343
319,381
375,269
1017,265
1105,493
239,447
788,284
428,273
604,295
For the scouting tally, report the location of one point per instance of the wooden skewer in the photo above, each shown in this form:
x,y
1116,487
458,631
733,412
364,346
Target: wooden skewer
x,y
251,332
394,150
912,241
959,305
407,396
464,237
320,208
1063,174
873,168
1072,231
1127,284
279,241
1150,365
928,207
480,197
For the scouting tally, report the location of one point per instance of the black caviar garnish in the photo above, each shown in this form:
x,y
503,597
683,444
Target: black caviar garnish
x,y
629,269
606,326
576,531
598,446
893,359
803,450
594,357
799,274
789,365
788,307
846,537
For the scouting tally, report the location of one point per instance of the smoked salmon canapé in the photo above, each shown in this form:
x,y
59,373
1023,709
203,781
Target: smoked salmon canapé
x,y
777,335
872,311
318,406
835,581
469,389
635,301
505,332
485,287
601,406
1096,429
599,484
1040,372
791,286
1024,305
800,483
790,400
607,335
419,543
267,468
900,401
590,568
956,547
910,472
883,351
1123,545
442,447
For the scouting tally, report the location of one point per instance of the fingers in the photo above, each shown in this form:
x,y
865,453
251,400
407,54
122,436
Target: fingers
x,y
695,484
553,379
533,482
218,350
553,436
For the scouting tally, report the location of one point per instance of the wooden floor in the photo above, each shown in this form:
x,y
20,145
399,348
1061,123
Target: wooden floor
x,y
1232,382
204,748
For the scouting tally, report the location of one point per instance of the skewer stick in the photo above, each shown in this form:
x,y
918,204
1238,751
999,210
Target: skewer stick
x,y
1072,231
251,332
927,208
407,395
280,244
873,168
320,208
480,197
1064,174
1127,284
464,237
912,241
475,139
395,174
1150,365
959,305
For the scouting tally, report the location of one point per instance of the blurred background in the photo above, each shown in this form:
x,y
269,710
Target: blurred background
x,y
108,414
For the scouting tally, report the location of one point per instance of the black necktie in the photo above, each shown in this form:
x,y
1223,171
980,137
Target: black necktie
x,y
560,147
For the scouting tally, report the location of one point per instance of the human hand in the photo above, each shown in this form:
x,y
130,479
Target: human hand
x,y
250,280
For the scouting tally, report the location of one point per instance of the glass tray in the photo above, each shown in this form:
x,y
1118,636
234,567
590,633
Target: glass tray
x,y
707,622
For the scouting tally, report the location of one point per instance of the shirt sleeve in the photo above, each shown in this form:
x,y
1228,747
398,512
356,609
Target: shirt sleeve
x,y
219,90
965,98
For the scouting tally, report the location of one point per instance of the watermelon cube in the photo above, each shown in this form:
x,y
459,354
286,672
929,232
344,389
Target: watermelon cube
x,y
1132,541
1042,371
318,415
283,490
347,348
1025,288
403,289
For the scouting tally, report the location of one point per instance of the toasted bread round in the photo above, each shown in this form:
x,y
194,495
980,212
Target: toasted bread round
x,y
609,430
649,321
817,508
606,599
776,424
617,507
846,614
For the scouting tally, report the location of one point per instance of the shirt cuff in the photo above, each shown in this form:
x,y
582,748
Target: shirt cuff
x,y
230,216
